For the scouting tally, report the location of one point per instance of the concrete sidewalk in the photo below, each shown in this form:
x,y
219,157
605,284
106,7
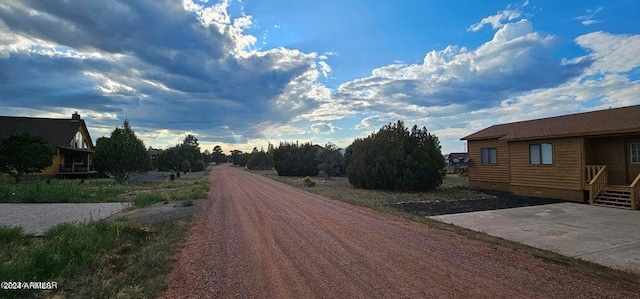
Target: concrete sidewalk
x,y
606,236
37,218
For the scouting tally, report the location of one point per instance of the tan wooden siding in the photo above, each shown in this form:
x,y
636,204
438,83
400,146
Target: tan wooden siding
x,y
610,151
55,166
498,172
564,173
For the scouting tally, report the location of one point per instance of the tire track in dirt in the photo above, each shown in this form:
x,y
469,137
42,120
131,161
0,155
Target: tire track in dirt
x,y
257,238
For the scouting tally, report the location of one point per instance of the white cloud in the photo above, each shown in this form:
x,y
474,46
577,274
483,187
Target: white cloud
x,y
587,19
202,72
517,59
496,21
612,53
324,128
590,22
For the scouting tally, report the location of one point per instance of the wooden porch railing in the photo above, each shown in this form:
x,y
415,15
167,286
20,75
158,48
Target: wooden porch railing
x,y
635,193
591,171
597,182
74,168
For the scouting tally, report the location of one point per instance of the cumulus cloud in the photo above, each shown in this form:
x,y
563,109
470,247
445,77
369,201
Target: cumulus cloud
x,y
514,76
324,128
172,67
163,64
517,59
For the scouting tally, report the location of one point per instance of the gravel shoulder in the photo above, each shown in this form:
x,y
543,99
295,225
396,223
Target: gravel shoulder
x,y
257,238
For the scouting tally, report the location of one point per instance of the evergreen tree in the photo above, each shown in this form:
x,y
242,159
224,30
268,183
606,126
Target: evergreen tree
x,y
121,154
396,158
294,159
330,160
259,161
24,153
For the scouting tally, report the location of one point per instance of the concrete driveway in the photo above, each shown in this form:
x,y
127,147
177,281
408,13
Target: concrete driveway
x,y
37,218
606,236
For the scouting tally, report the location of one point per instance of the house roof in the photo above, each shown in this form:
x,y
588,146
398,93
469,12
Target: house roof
x,y
602,122
458,156
57,132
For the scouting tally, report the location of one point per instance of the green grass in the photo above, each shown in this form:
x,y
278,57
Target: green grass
x,y
101,259
38,190
10,234
177,192
72,191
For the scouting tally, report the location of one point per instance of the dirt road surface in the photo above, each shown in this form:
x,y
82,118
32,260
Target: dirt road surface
x,y
257,238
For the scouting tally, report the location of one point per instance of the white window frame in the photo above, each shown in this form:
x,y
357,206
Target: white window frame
x,y
634,153
487,159
541,153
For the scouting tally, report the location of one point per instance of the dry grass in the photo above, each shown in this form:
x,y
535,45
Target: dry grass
x,y
454,187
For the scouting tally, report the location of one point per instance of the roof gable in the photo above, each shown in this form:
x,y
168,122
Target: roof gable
x,y
57,132
602,122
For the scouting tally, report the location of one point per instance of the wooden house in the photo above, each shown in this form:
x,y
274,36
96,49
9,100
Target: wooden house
x,y
458,162
592,156
68,139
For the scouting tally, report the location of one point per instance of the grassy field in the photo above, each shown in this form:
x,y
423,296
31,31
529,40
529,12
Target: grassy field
x,y
34,190
54,190
102,259
454,187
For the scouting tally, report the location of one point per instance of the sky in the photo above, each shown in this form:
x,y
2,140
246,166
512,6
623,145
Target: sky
x,y
240,74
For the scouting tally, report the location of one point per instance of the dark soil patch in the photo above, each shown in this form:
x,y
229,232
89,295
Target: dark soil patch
x,y
501,201
160,212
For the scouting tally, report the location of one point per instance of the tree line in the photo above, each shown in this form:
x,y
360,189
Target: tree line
x,y
393,158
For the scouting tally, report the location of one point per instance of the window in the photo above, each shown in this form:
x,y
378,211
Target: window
x,y
541,153
489,155
78,141
635,153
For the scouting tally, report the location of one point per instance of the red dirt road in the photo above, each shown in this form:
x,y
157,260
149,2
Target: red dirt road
x,y
257,238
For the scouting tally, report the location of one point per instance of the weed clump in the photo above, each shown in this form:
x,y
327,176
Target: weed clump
x,y
308,182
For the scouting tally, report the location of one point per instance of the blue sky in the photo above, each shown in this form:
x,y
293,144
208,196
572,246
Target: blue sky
x,y
243,73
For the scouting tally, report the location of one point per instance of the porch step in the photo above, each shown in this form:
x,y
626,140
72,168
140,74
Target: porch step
x,y
614,197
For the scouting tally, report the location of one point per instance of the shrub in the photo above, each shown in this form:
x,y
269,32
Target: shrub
x,y
185,165
198,166
293,159
395,158
308,182
259,161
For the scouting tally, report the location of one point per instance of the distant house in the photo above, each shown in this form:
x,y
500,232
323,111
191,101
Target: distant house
x,y
153,153
69,140
593,156
458,162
